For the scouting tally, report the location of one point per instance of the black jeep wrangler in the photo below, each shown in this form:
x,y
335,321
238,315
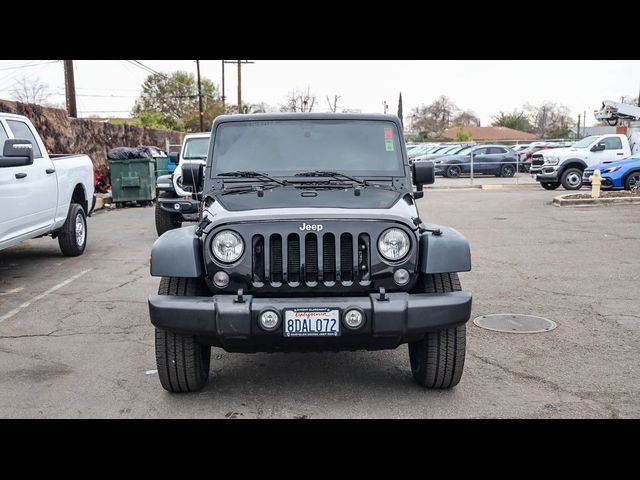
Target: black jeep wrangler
x,y
310,240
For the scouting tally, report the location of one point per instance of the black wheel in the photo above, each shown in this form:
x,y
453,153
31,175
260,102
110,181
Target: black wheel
x,y
549,185
72,237
453,171
183,363
507,170
571,179
166,221
437,360
632,181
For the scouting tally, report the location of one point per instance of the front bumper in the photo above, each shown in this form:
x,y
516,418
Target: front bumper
x,y
179,205
544,173
222,320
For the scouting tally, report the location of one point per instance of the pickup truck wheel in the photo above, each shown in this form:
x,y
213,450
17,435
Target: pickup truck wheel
x,y
166,221
72,237
571,179
437,360
183,363
549,185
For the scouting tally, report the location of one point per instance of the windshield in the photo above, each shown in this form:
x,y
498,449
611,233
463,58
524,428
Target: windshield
x,y
286,147
464,151
585,142
196,148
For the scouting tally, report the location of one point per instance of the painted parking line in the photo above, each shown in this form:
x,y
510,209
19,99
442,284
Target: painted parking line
x,y
12,291
26,304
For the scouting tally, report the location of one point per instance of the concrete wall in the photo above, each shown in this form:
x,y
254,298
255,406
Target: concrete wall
x,y
62,134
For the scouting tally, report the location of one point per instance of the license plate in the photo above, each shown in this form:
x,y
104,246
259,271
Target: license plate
x,y
312,322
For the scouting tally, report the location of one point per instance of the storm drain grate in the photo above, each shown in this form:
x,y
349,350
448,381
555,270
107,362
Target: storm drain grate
x,y
514,323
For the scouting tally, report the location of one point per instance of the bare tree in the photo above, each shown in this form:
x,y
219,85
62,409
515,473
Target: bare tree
x,y
466,119
31,91
333,107
432,119
549,120
299,101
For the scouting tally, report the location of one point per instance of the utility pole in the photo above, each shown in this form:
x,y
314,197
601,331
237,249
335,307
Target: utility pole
x,y
224,105
239,63
70,89
584,124
578,133
200,97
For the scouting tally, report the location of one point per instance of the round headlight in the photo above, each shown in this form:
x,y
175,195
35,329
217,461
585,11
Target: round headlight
x,y
227,246
393,244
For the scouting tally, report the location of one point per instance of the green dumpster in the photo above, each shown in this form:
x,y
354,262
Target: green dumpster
x,y
133,180
162,166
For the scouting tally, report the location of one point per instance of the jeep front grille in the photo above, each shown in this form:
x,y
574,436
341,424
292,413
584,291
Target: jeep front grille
x,y
311,259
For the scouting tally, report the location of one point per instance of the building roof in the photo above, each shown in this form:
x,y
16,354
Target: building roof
x,y
490,133
596,130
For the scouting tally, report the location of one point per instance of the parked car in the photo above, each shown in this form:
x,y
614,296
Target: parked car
x,y
526,154
179,200
623,173
42,194
564,166
324,251
487,159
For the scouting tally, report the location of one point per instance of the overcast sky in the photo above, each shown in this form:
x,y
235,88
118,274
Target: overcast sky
x,y
109,87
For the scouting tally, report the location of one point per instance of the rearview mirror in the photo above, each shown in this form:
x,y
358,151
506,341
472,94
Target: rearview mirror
x,y
174,157
423,174
16,153
598,147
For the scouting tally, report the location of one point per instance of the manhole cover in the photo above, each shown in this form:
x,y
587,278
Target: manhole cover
x,y
514,323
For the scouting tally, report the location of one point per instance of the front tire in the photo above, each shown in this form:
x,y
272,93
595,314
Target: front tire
x,y
571,179
183,363
72,237
166,221
632,181
437,360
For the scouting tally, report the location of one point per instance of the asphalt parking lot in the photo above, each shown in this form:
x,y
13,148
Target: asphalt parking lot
x,y
75,339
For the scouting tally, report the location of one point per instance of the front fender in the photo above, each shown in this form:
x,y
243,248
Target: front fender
x,y
177,253
445,253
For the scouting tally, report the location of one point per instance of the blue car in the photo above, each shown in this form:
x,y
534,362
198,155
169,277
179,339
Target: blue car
x,y
623,173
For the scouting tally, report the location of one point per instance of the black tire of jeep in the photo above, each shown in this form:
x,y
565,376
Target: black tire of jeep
x,y
437,360
166,221
183,363
569,174
549,185
453,171
72,237
633,180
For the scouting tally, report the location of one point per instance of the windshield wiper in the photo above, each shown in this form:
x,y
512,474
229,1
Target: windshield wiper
x,y
248,189
336,175
249,173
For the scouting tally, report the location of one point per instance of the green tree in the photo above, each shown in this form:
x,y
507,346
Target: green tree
x,y
463,135
171,101
518,120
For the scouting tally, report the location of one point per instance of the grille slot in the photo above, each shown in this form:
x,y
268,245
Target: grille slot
x,y
293,258
311,257
275,259
346,257
329,257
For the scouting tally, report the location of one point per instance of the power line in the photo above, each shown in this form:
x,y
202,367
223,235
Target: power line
x,y
27,65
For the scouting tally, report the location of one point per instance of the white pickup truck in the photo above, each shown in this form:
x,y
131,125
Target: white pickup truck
x,y
564,166
42,194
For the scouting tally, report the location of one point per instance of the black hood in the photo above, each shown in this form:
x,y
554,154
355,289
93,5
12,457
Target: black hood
x,y
292,197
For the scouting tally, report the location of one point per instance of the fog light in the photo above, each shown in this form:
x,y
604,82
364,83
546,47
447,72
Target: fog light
x,y
221,279
269,320
353,319
401,277
176,206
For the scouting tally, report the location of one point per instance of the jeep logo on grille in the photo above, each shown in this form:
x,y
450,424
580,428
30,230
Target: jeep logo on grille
x,y
316,228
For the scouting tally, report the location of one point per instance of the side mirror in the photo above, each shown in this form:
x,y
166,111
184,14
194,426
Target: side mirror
x,y
598,147
192,174
16,153
174,157
423,174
